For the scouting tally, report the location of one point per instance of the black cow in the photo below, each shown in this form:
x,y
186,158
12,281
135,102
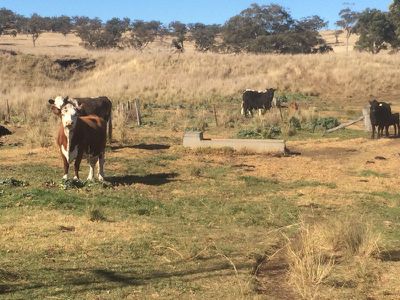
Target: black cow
x,y
99,106
257,100
381,116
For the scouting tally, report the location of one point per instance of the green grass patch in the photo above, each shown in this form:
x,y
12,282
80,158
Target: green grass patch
x,y
274,184
371,173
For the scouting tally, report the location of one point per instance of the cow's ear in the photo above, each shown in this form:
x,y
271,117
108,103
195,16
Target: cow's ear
x,y
55,110
51,101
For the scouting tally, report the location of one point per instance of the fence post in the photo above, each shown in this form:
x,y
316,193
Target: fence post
x,y
137,108
8,112
215,115
367,119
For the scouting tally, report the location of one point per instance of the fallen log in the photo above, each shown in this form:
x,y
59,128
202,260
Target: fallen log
x,y
345,125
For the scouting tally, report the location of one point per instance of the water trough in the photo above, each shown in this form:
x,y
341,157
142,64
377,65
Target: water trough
x,y
194,140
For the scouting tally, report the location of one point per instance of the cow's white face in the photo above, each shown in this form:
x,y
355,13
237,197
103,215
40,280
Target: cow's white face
x,y
59,101
69,116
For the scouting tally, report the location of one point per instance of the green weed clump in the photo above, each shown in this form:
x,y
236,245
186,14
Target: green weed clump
x,y
96,215
12,182
268,132
71,184
324,123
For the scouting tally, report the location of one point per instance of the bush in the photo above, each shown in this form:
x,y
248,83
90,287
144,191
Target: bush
x,y
324,123
268,132
294,123
96,215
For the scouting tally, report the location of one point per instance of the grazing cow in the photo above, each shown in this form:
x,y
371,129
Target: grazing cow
x,y
395,121
79,135
99,106
261,100
381,115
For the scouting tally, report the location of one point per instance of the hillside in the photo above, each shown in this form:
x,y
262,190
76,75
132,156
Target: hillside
x,y
160,75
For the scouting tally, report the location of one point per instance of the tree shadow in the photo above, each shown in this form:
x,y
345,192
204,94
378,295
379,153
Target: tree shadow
x,y
59,46
150,179
81,280
142,146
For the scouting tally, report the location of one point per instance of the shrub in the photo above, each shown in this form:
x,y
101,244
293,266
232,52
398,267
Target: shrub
x,y
268,132
324,123
95,215
294,123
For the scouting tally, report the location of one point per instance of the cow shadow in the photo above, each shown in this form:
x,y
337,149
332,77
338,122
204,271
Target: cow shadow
x,y
142,146
150,179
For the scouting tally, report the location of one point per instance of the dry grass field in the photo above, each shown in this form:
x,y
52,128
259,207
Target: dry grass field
x,y
212,224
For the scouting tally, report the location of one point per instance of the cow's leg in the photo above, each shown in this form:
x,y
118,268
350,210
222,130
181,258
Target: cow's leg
x,y
66,167
77,164
92,164
110,129
243,111
260,111
387,130
100,163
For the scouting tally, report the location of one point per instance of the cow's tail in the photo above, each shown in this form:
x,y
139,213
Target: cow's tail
x,y
242,109
110,128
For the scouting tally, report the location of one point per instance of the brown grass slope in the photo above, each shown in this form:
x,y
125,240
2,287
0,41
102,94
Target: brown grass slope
x,y
163,76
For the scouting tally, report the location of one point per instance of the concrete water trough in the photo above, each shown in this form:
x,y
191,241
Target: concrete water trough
x,y
194,140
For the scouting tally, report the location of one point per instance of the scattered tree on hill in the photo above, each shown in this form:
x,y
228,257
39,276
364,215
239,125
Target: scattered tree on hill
x,y
62,24
95,35
35,27
394,16
178,30
7,20
111,35
204,36
347,20
270,28
376,31
88,30
142,33
337,33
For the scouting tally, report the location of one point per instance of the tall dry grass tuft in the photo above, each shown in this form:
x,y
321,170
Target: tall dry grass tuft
x,y
309,262
42,133
344,243
352,236
120,125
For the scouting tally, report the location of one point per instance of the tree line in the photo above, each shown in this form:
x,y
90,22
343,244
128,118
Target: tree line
x,y
257,29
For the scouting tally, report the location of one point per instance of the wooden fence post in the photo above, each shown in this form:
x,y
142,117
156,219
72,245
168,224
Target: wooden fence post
x,y
8,112
215,115
137,108
367,119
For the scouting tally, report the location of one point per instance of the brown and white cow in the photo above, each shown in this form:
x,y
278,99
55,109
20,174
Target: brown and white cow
x,y
79,135
99,106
